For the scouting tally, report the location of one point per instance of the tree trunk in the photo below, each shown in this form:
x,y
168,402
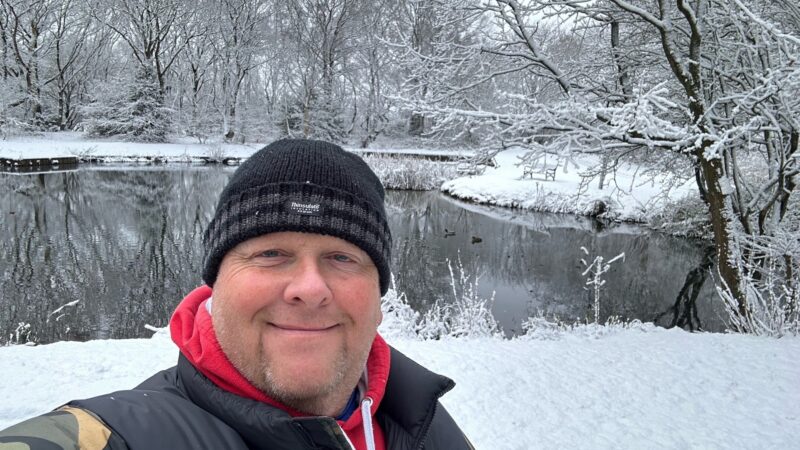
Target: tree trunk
x,y
32,77
722,223
622,71
416,124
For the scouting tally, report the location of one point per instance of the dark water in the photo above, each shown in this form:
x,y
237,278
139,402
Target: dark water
x,y
126,245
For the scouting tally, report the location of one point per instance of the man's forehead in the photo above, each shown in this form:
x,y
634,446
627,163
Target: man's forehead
x,y
297,238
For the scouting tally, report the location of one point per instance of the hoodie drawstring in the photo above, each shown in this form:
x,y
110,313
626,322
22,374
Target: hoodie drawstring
x,y
366,418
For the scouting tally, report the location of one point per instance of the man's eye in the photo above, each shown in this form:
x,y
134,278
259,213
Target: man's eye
x,y
342,258
270,253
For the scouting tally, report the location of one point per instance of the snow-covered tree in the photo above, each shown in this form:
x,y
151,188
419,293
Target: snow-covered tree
x,y
432,39
78,42
150,30
195,77
23,26
323,33
707,85
238,49
137,115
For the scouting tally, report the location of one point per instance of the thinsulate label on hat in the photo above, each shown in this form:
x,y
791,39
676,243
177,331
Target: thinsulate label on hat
x,y
304,208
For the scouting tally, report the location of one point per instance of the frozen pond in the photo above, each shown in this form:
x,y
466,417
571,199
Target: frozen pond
x,y
125,244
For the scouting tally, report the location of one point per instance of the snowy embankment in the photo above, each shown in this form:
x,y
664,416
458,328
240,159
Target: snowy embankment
x,y
627,195
633,388
65,144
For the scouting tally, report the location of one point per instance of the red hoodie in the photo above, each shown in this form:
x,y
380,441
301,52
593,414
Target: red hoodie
x,y
192,330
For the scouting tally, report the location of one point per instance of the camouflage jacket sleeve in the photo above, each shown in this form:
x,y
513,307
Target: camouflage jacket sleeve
x,y
67,428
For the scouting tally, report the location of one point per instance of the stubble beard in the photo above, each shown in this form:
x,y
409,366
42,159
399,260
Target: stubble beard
x,y
311,398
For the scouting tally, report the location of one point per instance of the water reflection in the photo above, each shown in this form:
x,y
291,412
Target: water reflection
x,y
126,245
532,262
683,313
122,243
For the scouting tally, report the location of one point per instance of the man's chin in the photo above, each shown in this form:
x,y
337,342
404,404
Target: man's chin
x,y
305,397
302,382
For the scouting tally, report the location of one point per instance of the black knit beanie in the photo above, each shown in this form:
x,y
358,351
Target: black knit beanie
x,y
301,185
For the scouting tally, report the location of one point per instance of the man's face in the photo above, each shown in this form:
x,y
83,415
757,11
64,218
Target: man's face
x,y
296,314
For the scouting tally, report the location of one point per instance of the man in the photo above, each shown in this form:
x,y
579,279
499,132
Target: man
x,y
280,350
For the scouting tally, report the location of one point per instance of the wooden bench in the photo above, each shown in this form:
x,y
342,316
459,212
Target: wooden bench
x,y
549,172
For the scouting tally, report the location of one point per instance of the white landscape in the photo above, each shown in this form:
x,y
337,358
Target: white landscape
x,y
681,116
636,388
588,387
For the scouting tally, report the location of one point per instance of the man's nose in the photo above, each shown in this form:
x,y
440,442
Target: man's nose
x,y
308,284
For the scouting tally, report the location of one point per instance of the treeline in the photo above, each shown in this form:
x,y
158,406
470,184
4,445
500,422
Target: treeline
x,y
236,69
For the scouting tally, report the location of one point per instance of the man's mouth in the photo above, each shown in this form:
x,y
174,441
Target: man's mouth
x,y
303,328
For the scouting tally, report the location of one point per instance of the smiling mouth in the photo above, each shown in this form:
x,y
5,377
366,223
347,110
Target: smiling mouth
x,y
302,328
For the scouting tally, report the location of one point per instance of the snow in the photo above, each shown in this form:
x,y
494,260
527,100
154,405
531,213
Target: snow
x,y
64,144
59,145
630,196
631,388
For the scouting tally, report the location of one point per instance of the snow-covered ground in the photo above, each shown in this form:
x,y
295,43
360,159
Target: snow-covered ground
x,y
631,389
62,144
59,145
629,196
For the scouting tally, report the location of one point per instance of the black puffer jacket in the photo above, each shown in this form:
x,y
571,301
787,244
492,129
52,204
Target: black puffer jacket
x,y
179,408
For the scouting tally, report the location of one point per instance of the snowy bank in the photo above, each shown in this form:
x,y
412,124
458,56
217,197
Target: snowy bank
x,y
57,145
634,388
628,196
73,144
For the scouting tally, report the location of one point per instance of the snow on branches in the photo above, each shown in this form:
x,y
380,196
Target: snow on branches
x,y
710,85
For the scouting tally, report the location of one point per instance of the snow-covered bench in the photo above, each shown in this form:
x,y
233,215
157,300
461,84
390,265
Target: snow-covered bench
x,y
548,171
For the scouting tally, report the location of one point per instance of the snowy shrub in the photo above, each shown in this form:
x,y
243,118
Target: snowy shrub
x,y
772,287
13,120
315,116
542,328
134,111
21,335
399,319
468,315
433,324
11,126
216,152
687,216
411,173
